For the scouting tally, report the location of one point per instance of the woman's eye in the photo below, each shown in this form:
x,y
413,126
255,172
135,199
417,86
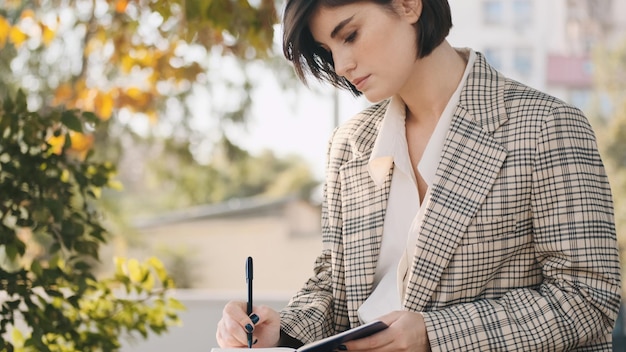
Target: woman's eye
x,y
351,37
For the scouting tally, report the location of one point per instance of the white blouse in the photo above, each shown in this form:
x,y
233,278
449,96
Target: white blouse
x,y
404,213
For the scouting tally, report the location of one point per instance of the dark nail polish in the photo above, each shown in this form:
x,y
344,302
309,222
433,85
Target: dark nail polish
x,y
255,341
254,318
342,348
249,328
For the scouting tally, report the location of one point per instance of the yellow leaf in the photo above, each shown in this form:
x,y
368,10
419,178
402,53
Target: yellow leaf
x,y
103,105
115,185
81,142
154,77
136,99
148,283
120,6
47,35
65,175
134,93
175,304
127,63
17,36
56,144
97,192
86,98
18,338
57,302
28,13
5,28
144,57
119,265
62,94
158,267
134,270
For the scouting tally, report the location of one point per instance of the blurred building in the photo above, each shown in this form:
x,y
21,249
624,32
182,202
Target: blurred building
x,y
544,44
206,247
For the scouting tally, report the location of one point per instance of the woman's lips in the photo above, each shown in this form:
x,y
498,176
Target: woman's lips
x,y
360,82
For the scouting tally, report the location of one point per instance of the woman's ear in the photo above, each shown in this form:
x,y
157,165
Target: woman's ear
x,y
411,10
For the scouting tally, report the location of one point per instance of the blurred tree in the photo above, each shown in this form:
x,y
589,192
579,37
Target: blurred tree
x,y
50,235
610,77
139,58
109,56
231,172
148,64
177,180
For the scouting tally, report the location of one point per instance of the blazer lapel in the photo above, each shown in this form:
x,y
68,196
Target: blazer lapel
x,y
470,162
363,207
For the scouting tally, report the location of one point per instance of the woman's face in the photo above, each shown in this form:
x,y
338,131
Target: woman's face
x,y
372,47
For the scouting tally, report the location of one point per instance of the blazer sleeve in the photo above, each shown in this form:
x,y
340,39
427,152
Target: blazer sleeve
x,y
311,312
575,244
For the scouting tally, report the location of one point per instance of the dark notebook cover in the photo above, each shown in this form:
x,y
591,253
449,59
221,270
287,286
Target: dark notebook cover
x,y
331,343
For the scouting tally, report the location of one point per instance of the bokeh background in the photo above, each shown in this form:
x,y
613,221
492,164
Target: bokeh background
x,y
219,150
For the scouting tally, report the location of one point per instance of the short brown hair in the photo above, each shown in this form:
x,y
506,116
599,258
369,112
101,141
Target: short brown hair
x,y
300,48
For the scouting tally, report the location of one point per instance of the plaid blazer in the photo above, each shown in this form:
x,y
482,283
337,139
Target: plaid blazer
x,y
517,250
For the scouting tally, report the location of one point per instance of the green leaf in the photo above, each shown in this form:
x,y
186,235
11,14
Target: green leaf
x,y
20,101
8,105
82,266
69,119
54,248
74,301
53,293
36,268
11,250
90,117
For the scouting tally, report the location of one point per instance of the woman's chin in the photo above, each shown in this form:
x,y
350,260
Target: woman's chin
x,y
374,97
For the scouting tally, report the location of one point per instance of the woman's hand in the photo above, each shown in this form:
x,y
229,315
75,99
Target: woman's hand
x,y
406,332
264,322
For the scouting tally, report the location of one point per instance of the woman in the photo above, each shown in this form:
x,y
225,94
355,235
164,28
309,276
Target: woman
x,y
465,210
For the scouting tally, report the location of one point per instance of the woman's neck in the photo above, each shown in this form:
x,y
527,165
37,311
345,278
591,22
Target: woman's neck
x,y
432,83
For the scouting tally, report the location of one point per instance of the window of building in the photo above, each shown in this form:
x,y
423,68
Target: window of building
x,y
493,12
494,57
522,12
523,61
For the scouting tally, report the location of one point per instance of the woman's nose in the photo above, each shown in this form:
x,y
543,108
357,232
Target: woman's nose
x,y
344,64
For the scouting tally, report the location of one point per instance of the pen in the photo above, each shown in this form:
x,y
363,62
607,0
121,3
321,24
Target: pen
x,y
249,283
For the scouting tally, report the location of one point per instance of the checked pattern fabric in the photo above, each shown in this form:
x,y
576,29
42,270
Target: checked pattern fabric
x,y
517,251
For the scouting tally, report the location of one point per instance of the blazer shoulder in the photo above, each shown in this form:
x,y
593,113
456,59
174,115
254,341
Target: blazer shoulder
x,y
522,101
516,92
360,130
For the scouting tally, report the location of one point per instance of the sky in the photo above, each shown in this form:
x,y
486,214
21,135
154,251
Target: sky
x,y
298,123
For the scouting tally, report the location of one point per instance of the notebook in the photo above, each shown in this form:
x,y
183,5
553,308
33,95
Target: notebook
x,y
328,344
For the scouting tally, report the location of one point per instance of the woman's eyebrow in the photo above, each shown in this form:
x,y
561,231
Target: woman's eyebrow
x,y
340,26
